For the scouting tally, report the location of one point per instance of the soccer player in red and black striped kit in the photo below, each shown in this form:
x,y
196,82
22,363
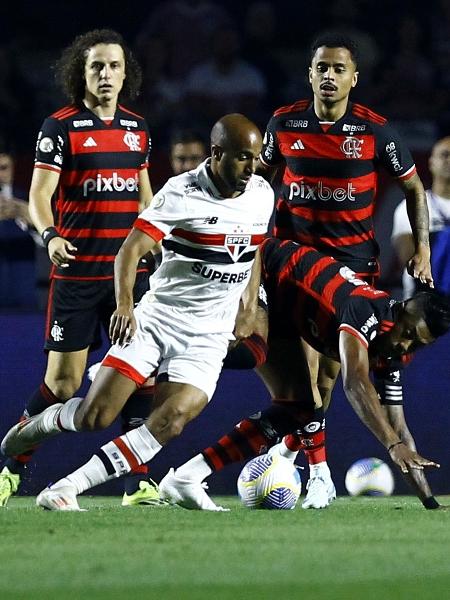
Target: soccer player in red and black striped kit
x,y
92,155
329,150
310,295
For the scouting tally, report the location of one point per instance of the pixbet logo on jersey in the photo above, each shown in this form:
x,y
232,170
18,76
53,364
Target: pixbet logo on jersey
x,y
110,184
321,192
236,245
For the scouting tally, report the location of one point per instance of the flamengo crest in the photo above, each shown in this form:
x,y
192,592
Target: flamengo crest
x,y
351,147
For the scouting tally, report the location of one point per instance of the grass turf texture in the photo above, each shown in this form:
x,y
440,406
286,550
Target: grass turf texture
x,y
359,548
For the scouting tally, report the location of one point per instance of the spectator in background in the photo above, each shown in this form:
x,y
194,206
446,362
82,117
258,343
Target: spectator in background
x,y
17,274
225,83
438,199
187,151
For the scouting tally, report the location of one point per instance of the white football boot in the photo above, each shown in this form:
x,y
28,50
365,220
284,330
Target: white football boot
x,y
29,433
321,490
186,493
59,497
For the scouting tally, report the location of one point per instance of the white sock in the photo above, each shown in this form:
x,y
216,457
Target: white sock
x,y
320,470
284,451
195,469
66,414
114,459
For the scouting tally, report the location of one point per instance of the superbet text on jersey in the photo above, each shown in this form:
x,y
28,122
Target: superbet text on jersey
x,y
209,244
329,182
98,192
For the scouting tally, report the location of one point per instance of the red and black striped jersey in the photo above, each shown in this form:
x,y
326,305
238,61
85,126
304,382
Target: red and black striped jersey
x,y
330,178
313,296
98,191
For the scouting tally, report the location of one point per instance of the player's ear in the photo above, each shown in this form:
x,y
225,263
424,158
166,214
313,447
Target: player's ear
x,y
355,78
216,152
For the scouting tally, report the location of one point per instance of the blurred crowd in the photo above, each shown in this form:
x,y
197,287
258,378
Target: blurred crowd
x,y
201,59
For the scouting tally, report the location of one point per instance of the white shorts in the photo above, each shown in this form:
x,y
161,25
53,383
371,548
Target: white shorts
x,y
162,343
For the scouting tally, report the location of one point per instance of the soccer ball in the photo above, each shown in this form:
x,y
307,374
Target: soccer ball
x,y
269,481
369,477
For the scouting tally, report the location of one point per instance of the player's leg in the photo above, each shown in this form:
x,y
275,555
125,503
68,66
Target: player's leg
x,y
63,377
320,487
175,404
286,375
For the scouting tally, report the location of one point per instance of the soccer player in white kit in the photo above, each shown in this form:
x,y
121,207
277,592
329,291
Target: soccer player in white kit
x,y
210,221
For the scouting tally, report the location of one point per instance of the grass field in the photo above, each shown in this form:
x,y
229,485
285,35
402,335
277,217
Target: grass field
x,y
360,548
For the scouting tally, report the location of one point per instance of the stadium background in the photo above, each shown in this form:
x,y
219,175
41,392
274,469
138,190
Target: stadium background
x,y
404,75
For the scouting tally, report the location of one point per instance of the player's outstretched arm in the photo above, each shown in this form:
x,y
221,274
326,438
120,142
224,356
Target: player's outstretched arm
x,y
123,325
363,397
419,265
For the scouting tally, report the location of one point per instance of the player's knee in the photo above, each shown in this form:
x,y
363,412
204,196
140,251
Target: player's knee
x,y
96,418
64,387
168,424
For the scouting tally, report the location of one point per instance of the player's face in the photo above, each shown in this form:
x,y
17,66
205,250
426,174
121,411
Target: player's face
x,y
409,333
104,72
332,74
186,156
440,160
237,165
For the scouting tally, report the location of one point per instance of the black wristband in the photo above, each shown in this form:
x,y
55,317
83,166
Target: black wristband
x,y
430,503
48,234
393,445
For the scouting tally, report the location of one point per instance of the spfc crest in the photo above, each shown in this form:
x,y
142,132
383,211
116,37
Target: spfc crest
x,y
236,245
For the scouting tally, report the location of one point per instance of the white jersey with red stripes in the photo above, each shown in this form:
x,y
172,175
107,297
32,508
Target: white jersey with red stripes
x,y
209,243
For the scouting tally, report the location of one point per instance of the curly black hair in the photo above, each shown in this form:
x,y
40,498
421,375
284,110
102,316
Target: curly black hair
x,y
335,39
434,308
69,69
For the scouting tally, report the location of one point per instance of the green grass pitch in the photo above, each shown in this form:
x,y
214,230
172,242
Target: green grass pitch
x,y
358,548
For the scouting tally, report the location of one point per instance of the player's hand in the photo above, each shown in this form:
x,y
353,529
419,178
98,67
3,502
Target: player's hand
x,y
419,267
122,325
408,459
60,252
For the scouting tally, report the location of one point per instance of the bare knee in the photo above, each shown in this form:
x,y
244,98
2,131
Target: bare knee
x,y
93,418
63,386
167,424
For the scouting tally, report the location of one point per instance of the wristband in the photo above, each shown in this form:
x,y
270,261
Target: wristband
x,y
393,445
430,503
48,234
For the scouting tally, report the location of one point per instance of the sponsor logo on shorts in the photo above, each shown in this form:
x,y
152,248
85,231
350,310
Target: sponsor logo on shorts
x,y
219,276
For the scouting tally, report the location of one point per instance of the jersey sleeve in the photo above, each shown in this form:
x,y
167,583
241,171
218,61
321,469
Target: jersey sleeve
x,y
393,153
359,319
164,213
270,153
52,145
389,386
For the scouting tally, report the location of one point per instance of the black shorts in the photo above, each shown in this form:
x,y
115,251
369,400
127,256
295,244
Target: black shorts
x,y
77,310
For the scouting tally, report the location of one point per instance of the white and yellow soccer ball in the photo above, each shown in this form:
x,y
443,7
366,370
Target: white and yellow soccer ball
x,y
369,477
269,481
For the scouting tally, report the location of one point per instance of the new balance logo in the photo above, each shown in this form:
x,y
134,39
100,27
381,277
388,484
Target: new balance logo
x,y
89,143
298,145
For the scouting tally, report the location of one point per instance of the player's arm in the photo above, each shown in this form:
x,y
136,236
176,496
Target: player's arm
x,y
137,243
248,306
363,397
43,185
418,264
145,190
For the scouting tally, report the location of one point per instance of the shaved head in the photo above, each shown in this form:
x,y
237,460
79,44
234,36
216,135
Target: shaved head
x,y
234,131
236,143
